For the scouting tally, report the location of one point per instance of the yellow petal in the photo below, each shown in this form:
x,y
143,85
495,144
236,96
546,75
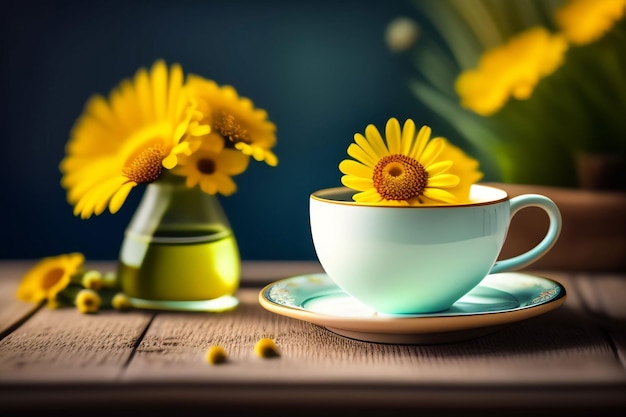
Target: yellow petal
x,y
373,136
169,161
225,184
144,95
357,183
423,136
201,130
174,91
408,135
367,148
393,135
158,77
368,196
350,167
432,151
232,162
208,184
182,148
120,196
439,168
271,159
360,155
438,194
444,181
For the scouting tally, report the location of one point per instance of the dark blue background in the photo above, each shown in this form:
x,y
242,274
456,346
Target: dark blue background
x,y
320,68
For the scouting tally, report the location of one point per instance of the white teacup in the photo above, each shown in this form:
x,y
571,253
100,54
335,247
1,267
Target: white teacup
x,y
419,259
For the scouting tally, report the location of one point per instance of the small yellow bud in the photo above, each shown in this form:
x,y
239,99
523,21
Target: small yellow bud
x,y
120,301
110,280
93,280
266,348
87,301
216,355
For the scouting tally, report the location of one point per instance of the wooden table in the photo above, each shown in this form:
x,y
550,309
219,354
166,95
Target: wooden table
x,y
570,359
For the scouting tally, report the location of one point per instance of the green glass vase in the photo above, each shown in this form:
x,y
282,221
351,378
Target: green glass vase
x,y
179,251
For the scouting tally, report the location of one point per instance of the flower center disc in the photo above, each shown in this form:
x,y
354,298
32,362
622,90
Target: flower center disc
x,y
51,278
146,167
206,166
399,177
229,128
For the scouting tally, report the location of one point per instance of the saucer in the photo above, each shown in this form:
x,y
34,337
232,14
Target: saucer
x,y
499,299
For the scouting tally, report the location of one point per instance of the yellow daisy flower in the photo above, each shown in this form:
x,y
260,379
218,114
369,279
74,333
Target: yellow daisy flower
x,y
48,277
511,70
585,21
407,169
117,144
464,167
211,167
235,119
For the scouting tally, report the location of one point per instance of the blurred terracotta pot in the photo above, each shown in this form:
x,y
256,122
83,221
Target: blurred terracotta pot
x,y
593,237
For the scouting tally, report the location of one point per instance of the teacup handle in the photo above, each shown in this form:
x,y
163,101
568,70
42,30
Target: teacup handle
x,y
527,258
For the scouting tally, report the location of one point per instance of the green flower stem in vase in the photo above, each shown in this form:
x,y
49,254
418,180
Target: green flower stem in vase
x,y
179,251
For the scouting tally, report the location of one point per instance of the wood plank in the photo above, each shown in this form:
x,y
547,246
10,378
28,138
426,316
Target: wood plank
x,y
174,349
560,347
541,363
605,297
65,345
12,311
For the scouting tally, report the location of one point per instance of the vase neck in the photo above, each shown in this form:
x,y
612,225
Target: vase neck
x,y
168,204
169,178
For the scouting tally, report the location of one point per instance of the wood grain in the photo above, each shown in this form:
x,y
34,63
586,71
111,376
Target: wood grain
x,y
577,348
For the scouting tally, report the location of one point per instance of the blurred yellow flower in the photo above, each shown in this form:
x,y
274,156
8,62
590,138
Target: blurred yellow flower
x,y
585,21
534,89
405,168
511,70
48,277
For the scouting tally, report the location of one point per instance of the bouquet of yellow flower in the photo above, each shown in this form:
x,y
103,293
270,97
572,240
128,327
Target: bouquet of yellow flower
x,y
159,122
533,87
153,128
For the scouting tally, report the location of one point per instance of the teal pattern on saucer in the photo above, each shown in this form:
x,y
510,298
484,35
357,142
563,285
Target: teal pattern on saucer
x,y
546,295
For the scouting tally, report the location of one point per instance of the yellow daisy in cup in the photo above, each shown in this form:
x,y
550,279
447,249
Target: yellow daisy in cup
x,y
127,140
49,277
407,169
234,119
